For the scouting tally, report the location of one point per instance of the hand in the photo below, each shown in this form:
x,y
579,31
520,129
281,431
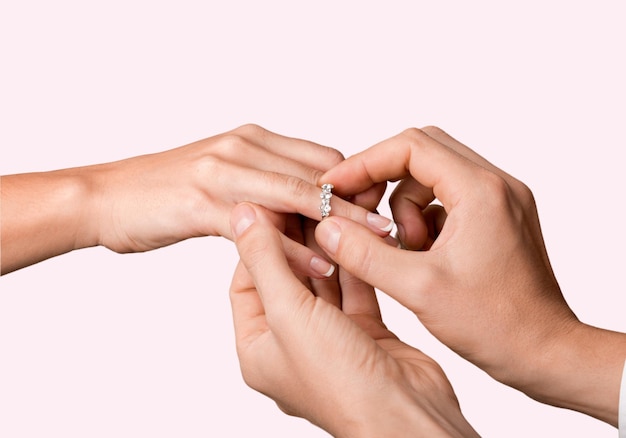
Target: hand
x,y
154,200
483,283
150,201
342,370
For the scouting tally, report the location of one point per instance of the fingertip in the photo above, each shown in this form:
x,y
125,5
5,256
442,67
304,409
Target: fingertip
x,y
361,252
413,234
380,222
328,234
324,177
242,216
322,267
349,179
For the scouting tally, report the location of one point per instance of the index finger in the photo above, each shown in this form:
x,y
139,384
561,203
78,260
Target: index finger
x,y
413,152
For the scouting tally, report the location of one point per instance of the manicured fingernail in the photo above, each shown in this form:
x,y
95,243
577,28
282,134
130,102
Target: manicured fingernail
x,y
322,267
380,222
329,235
245,216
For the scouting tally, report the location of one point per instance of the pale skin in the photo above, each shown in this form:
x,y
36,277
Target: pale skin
x,y
320,348
481,282
147,202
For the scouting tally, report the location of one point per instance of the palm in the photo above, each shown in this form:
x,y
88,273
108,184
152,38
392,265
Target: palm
x,y
344,329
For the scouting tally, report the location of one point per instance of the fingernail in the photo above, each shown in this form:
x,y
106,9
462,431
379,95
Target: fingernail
x,y
401,234
329,234
322,267
392,241
380,222
245,216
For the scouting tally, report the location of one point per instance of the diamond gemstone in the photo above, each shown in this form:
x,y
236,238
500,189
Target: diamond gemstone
x,y
325,196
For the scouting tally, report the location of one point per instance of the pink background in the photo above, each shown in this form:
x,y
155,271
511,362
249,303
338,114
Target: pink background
x,y
95,344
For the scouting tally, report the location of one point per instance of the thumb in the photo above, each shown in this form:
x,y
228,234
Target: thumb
x,y
261,250
404,275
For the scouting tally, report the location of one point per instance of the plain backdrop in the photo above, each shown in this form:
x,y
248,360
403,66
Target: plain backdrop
x,y
96,344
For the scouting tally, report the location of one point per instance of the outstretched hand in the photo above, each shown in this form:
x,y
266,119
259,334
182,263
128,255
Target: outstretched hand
x,y
154,200
146,202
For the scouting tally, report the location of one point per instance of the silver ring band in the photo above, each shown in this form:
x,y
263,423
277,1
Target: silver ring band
x,y
326,195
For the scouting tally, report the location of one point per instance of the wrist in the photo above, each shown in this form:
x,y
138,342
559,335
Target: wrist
x,y
403,413
580,370
85,197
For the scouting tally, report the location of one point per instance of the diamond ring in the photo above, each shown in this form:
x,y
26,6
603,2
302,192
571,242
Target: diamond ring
x,y
326,195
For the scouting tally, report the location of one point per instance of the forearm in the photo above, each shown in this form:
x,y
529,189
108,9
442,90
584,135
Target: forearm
x,y
42,215
583,372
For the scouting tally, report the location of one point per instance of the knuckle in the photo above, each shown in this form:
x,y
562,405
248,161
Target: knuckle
x,y
507,199
273,179
433,131
412,132
299,188
251,130
207,165
253,248
350,281
326,159
231,145
314,176
512,197
436,275
417,135
495,188
291,188
433,277
415,138
332,156
360,257
525,195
